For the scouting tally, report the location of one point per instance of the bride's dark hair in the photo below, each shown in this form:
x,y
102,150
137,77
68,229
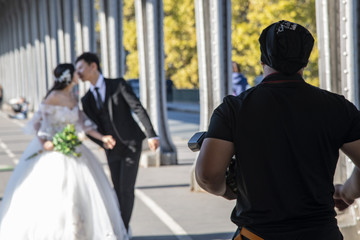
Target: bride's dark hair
x,y
63,75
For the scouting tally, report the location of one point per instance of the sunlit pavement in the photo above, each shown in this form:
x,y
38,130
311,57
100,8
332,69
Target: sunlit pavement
x,y
165,208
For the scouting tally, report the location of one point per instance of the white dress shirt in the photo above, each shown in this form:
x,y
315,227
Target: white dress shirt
x,y
100,83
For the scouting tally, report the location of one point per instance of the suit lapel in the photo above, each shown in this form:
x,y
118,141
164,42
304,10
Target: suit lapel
x,y
108,101
90,101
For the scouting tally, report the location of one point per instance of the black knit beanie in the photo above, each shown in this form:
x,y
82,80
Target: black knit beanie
x,y
286,46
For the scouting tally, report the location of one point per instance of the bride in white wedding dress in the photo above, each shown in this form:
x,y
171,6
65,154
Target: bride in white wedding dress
x,y
53,196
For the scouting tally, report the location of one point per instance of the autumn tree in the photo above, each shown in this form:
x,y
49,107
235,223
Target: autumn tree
x,y
250,17
179,42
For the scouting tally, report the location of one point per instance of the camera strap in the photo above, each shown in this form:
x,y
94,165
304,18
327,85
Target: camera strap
x,y
249,235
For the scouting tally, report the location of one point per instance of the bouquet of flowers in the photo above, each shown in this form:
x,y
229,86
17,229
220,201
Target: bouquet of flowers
x,y
65,142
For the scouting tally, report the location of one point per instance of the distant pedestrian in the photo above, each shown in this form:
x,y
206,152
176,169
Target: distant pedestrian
x,y
169,90
239,81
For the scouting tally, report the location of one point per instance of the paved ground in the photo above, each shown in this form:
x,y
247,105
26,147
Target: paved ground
x,y
165,208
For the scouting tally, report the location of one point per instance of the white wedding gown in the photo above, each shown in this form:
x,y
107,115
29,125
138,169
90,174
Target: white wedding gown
x,y
56,197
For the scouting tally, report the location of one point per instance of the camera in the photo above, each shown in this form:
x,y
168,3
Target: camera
x,y
194,144
196,140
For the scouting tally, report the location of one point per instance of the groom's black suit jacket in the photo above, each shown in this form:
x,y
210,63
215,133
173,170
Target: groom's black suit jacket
x,y
120,100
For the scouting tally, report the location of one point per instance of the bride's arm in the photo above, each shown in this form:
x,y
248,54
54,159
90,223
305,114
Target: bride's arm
x,y
90,128
52,99
108,141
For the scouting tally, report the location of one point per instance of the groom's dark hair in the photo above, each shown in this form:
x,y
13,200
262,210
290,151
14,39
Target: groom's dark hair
x,y
89,58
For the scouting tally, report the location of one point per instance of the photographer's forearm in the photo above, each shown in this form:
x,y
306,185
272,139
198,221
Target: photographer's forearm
x,y
211,165
211,184
351,188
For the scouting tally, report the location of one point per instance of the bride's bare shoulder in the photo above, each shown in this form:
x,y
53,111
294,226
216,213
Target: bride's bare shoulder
x,y
54,98
59,98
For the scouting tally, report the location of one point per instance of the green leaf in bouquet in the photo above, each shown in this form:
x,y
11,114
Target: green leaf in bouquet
x,y
67,141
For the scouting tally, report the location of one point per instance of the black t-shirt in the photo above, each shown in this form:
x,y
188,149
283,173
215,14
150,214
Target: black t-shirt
x,y
287,136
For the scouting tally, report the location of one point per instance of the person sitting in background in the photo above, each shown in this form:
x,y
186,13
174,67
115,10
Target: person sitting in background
x,y
20,108
239,81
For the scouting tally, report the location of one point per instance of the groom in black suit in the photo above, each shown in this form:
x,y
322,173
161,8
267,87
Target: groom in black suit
x,y
109,103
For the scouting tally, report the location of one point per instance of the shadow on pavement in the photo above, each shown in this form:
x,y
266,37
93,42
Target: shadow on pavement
x,y
164,186
209,236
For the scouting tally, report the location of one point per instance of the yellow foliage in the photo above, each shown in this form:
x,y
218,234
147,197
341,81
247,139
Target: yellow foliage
x,y
248,23
249,17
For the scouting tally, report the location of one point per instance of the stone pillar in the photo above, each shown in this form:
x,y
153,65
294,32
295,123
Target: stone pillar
x,y
84,17
213,28
38,66
53,33
349,221
322,27
44,18
32,56
9,60
42,68
88,19
338,45
28,71
60,31
68,31
21,50
111,38
115,36
9,73
149,21
78,26
15,40
104,39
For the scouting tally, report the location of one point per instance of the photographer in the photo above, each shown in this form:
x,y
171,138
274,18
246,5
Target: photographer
x,y
286,136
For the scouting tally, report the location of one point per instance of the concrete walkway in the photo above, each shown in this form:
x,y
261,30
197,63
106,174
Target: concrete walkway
x,y
165,208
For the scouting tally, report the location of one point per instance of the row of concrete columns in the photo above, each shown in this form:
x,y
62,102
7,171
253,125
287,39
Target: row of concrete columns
x,y
35,36
38,34
42,33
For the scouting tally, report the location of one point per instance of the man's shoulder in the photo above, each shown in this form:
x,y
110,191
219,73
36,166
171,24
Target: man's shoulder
x,y
115,84
328,94
114,80
86,95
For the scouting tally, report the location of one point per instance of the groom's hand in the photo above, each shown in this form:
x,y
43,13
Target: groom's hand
x,y
109,141
154,143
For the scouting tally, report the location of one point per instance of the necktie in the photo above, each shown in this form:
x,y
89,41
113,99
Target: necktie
x,y
99,102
